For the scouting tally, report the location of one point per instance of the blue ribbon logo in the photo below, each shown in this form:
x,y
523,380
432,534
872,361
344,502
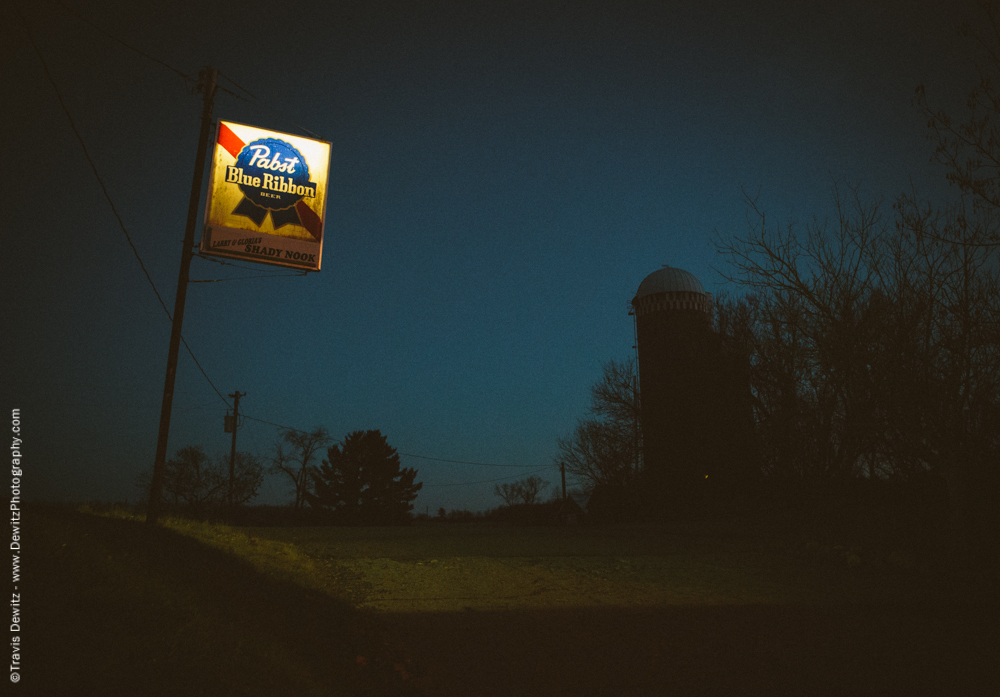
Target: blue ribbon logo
x,y
273,176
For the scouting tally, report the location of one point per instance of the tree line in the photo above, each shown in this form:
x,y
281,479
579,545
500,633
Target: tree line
x,y
872,341
359,482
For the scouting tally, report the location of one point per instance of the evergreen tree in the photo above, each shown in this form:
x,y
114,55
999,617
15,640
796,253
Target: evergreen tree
x,y
338,484
361,481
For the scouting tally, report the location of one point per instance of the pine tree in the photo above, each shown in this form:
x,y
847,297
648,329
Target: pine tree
x,y
361,480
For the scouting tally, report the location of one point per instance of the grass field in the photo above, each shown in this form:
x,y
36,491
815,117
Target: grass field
x,y
441,568
471,609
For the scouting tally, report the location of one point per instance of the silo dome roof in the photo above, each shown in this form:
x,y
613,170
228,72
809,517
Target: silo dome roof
x,y
667,280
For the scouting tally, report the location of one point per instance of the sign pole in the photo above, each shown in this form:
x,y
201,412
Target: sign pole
x,y
232,454
208,76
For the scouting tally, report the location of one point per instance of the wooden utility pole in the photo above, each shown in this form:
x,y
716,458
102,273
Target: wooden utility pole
x,y
232,455
207,86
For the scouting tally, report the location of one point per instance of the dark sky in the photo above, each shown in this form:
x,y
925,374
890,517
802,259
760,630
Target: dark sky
x,y
503,176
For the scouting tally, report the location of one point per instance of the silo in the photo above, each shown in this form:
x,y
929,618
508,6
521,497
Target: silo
x,y
699,451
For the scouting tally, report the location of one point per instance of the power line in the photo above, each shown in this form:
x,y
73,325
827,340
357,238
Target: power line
x,y
86,153
193,358
160,299
464,462
423,457
268,274
107,195
200,406
135,251
238,86
265,105
244,278
184,75
169,67
187,78
271,423
489,481
215,260
111,36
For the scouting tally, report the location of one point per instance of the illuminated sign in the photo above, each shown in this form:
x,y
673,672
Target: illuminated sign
x,y
266,197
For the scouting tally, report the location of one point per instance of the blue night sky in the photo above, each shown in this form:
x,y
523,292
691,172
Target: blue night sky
x,y
503,177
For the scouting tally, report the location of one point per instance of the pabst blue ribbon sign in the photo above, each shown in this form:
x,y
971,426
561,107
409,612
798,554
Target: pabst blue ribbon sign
x,y
266,197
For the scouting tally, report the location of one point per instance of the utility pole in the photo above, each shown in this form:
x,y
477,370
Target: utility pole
x,y
562,471
207,86
232,455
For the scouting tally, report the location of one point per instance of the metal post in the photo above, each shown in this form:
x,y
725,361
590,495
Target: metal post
x,y
207,86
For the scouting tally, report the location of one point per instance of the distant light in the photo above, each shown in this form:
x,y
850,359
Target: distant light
x,y
706,476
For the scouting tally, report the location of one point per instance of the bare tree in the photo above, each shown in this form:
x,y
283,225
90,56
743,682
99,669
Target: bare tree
x,y
508,491
195,480
604,449
524,491
598,453
192,479
615,397
293,454
875,343
875,347
826,326
530,488
957,247
248,475
969,147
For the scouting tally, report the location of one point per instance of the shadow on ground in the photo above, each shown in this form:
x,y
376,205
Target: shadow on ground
x,y
721,650
110,608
